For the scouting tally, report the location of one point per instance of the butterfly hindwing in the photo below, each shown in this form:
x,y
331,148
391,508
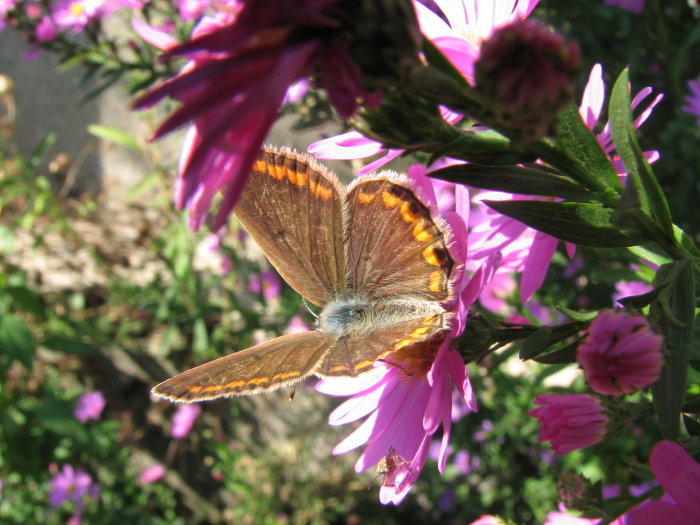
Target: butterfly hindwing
x,y
282,361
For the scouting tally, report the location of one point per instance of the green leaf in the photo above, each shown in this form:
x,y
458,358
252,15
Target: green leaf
x,y
580,223
58,417
691,426
583,317
115,135
546,336
26,299
559,357
67,345
16,340
642,189
580,144
439,61
514,179
674,313
640,301
200,337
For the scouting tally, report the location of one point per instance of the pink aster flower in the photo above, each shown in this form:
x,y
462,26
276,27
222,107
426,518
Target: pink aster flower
x,y
89,406
408,395
692,100
183,420
5,7
633,6
592,106
152,473
240,67
679,475
466,24
621,353
570,421
76,14
73,485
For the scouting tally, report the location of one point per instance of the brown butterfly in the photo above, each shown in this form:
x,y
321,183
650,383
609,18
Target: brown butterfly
x,y
372,256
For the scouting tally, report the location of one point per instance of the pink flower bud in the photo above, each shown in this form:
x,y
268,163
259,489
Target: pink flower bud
x,y
621,354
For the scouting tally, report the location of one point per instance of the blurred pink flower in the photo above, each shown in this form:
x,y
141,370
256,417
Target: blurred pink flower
x,y
152,473
621,353
89,406
73,485
629,289
633,6
183,419
488,519
692,100
240,67
296,325
76,14
266,282
570,421
46,30
679,475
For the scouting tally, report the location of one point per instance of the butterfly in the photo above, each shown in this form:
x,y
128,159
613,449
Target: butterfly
x,y
373,256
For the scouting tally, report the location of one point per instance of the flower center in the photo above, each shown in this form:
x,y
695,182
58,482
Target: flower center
x,y
414,361
76,8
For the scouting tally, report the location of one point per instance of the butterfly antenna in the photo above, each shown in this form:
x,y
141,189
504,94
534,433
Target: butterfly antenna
x,y
309,309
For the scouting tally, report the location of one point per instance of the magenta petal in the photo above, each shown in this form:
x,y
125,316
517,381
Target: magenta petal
x,y
656,512
357,407
537,264
357,438
350,386
678,474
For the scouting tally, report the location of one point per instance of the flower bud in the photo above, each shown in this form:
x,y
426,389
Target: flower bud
x,y
525,75
621,353
570,421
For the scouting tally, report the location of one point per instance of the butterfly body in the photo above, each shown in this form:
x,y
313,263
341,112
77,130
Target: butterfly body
x,y
372,256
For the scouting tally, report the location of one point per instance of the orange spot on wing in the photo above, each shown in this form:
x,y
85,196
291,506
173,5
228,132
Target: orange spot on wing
x,y
406,213
258,381
194,388
297,178
321,191
390,201
235,384
339,368
437,281
430,256
260,166
363,364
286,375
420,233
365,198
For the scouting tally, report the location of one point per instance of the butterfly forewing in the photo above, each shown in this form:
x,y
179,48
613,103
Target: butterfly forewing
x,y
282,361
395,245
292,207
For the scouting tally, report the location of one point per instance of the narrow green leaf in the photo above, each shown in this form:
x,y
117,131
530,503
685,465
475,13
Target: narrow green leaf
x,y
16,340
674,313
580,144
67,345
200,337
514,179
581,223
642,188
640,301
559,357
115,135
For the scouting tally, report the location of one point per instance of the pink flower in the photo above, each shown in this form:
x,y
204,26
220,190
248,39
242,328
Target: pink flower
x,y
458,36
89,406
184,419
266,282
488,519
570,421
73,485
240,67
591,108
633,6
46,30
692,100
408,395
621,353
629,289
152,473
296,325
679,475
76,14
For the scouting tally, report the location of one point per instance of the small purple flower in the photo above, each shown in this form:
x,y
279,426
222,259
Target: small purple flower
x,y
89,406
692,100
184,419
73,485
633,6
463,461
